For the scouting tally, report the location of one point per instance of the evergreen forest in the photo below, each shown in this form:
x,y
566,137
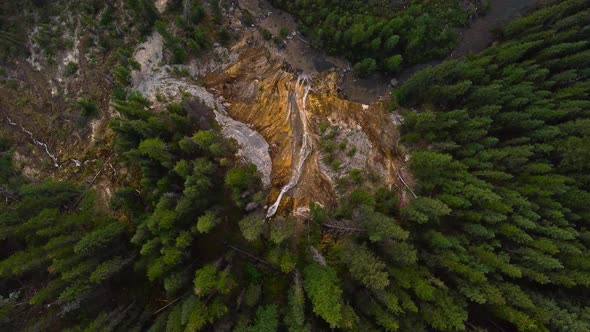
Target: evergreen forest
x,y
380,35
496,236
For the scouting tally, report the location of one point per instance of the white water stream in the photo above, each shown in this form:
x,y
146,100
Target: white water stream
x,y
306,143
24,130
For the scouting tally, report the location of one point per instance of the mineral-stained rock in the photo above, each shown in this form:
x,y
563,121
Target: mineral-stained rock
x,y
260,100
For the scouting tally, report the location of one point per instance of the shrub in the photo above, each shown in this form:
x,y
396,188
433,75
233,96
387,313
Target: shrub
x,y
284,32
71,68
88,108
266,34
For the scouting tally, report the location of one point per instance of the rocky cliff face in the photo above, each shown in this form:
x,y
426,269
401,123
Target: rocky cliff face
x,y
288,108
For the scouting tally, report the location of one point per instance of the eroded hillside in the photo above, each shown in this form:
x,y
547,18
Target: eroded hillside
x,y
275,102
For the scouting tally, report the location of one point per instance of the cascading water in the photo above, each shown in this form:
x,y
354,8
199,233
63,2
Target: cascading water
x,y
24,130
306,143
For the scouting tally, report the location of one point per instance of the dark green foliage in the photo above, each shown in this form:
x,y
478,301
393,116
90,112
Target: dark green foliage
x,y
71,68
8,176
377,250
267,35
216,9
241,181
88,108
501,165
282,229
13,34
191,189
189,36
496,239
500,169
252,294
381,35
207,221
104,21
144,14
108,269
208,280
381,227
364,266
284,32
322,287
282,258
252,227
224,36
365,67
295,313
267,319
173,43
393,64
56,242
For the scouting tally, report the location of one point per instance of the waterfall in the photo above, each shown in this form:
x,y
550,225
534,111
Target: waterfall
x,y
306,144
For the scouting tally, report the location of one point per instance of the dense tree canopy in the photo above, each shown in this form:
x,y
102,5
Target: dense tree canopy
x,y
502,169
60,259
382,35
496,239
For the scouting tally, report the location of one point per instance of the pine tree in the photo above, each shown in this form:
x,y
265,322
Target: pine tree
x,y
322,287
364,266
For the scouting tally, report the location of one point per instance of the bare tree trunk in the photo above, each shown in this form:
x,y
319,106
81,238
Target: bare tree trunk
x,y
186,10
399,175
249,255
169,304
4,191
344,228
